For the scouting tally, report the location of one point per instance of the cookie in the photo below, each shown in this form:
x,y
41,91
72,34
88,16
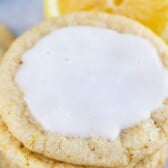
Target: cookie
x,y
131,146
153,161
14,155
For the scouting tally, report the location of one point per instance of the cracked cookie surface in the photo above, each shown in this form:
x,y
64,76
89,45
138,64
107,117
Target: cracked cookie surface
x,y
14,155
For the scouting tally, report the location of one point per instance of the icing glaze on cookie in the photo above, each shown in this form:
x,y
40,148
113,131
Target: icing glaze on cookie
x,y
85,81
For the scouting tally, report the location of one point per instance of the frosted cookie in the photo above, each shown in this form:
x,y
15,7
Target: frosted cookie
x,y
81,89
6,38
14,155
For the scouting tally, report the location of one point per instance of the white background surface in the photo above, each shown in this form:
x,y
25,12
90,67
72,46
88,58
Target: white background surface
x,y
20,15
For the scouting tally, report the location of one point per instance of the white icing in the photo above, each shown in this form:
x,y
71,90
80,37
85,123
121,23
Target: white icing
x,y
86,81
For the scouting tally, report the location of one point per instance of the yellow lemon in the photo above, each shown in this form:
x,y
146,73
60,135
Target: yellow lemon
x,y
60,7
152,13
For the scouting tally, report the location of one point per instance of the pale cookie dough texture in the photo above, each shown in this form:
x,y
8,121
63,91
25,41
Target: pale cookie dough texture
x,y
131,146
14,155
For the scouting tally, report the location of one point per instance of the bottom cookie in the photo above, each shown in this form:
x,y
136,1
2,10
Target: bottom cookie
x,y
14,155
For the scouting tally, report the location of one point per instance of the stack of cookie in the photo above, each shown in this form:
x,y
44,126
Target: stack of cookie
x,y
84,90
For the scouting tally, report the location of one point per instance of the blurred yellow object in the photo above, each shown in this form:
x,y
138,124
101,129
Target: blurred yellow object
x,y
6,38
152,13
60,7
